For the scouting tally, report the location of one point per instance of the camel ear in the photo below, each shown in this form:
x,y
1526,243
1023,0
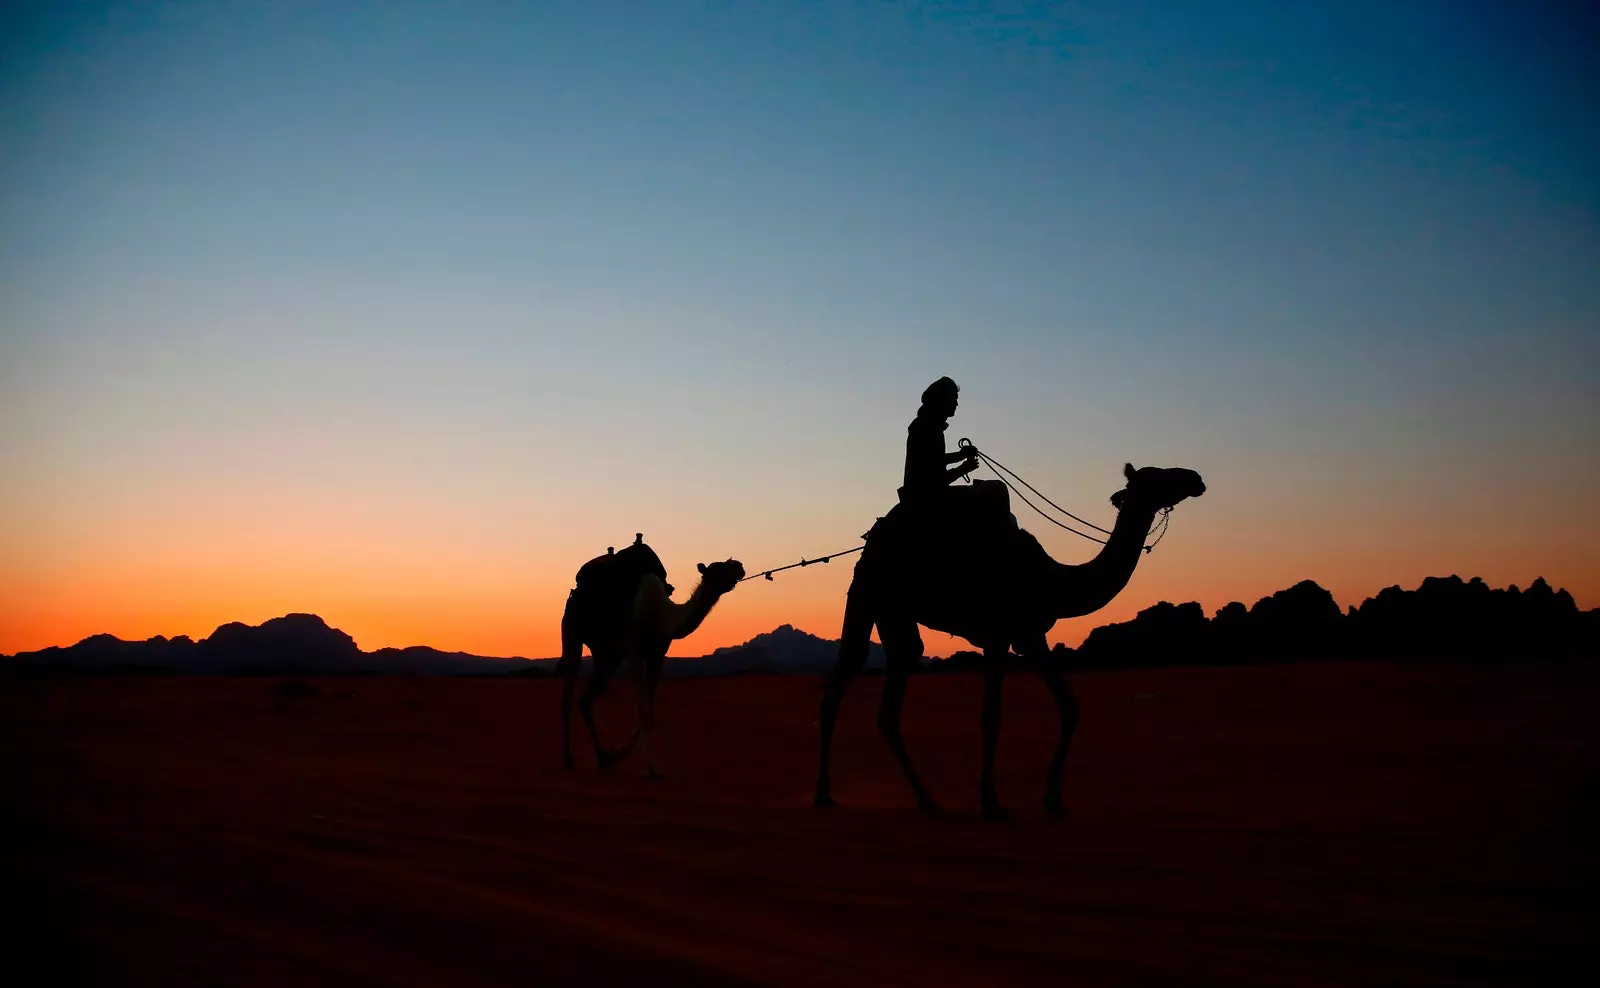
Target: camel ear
x,y
1128,471
701,567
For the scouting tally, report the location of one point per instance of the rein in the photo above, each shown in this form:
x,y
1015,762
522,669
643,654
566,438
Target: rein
x,y
997,467
1157,527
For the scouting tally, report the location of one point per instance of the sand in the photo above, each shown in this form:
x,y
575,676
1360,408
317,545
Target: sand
x,y
1313,824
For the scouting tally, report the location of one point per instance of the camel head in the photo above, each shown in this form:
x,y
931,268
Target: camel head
x,y
1157,487
721,577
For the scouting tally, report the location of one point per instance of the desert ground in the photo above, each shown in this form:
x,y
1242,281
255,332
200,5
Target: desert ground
x,y
1308,824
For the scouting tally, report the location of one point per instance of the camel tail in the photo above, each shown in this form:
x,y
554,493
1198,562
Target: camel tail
x,y
570,664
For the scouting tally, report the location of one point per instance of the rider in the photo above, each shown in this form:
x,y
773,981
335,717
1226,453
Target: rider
x,y
927,493
928,470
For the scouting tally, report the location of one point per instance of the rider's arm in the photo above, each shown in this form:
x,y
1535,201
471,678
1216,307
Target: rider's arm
x,y
956,473
967,456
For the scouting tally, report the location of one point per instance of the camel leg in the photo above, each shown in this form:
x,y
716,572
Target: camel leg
x,y
569,678
903,645
644,694
994,673
653,679
854,644
658,661
1067,712
597,685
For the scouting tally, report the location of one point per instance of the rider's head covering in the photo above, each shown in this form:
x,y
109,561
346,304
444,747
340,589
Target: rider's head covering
x,y
940,392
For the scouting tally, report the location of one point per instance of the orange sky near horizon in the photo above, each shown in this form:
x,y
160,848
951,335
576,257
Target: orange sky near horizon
x,y
458,585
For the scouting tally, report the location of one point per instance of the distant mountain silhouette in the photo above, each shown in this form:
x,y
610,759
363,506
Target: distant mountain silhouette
x,y
304,643
292,644
1449,616
1444,618
785,649
107,653
421,660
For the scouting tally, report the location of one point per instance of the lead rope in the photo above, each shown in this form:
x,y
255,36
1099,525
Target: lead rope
x,y
804,562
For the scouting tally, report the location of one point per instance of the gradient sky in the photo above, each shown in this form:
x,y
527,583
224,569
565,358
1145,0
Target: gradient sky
x,y
398,313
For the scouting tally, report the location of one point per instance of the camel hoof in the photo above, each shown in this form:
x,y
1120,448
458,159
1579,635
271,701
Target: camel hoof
x,y
823,799
568,763
929,806
1052,806
608,759
652,774
996,813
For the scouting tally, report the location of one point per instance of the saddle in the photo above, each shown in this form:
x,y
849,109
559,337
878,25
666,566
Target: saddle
x,y
606,584
982,507
952,531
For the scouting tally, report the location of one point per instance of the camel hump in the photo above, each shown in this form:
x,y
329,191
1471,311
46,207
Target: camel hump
x,y
640,559
621,570
608,584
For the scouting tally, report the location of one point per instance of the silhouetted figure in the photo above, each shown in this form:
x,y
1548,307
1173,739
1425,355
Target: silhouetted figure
x,y
928,470
622,609
996,599
933,506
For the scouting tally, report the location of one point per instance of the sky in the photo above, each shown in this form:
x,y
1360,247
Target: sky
x,y
399,312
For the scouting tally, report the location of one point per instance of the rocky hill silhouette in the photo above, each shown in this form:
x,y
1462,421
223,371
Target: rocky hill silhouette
x,y
1443,618
785,649
291,644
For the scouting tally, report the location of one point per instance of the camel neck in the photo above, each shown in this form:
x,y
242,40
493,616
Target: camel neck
x,y
1089,586
695,609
